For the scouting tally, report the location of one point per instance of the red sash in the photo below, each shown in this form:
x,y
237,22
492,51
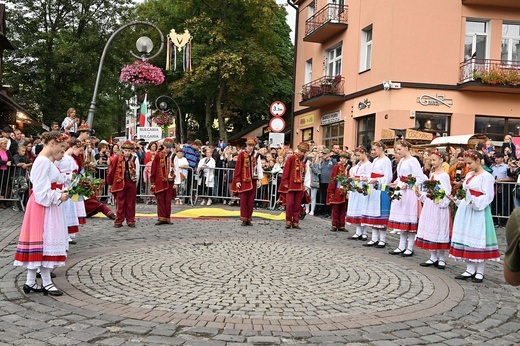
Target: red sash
x,y
473,192
56,186
376,175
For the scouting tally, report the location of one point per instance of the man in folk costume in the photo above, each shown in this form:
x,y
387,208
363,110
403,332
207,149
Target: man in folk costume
x,y
337,195
122,176
246,179
293,185
162,182
84,132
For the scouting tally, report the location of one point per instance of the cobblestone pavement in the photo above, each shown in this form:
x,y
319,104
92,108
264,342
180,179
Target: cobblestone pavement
x,y
213,282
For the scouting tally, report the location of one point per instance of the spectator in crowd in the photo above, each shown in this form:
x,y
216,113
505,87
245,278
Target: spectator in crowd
x,y
206,176
221,144
457,173
19,137
55,126
37,146
500,205
315,182
71,122
192,154
6,161
325,164
12,145
180,166
509,146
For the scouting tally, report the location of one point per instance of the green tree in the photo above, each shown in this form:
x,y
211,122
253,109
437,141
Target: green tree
x,y
58,45
242,59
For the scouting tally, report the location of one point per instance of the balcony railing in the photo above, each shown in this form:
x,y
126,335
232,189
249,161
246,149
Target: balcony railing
x,y
328,21
325,89
491,72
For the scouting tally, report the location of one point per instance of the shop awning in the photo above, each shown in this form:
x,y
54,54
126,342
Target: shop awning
x,y
22,114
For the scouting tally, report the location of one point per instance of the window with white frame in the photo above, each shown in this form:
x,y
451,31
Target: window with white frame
x,y
312,9
475,45
366,49
308,71
334,61
510,44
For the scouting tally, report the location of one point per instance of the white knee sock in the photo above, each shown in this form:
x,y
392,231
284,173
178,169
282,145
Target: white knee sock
x,y
433,256
470,268
375,234
307,208
382,235
402,241
46,276
441,255
480,270
31,277
411,241
358,230
363,230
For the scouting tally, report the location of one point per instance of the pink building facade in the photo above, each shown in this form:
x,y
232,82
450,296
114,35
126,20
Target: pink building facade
x,y
443,67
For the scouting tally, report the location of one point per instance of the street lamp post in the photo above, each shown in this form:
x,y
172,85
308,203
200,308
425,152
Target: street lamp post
x,y
145,46
163,105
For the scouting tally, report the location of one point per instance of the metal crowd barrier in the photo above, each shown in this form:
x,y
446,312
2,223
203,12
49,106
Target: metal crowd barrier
x,y
15,185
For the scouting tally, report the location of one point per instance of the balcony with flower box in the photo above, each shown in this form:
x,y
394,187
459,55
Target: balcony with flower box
x,y
326,23
323,91
490,75
493,3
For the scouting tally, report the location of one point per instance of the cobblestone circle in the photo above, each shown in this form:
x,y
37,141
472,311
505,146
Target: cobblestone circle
x,y
258,280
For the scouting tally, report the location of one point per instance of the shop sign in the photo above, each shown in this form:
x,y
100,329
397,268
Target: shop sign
x,y
307,120
418,135
149,133
437,100
331,118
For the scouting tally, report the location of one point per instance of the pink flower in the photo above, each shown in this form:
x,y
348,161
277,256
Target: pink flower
x,y
141,73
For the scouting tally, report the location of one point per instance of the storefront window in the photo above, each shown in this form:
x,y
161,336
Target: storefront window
x,y
496,128
436,123
333,134
366,129
307,134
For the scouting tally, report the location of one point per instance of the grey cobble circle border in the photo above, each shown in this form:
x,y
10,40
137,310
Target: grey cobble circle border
x,y
446,295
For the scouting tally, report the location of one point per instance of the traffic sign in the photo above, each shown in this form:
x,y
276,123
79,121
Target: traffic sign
x,y
277,109
277,124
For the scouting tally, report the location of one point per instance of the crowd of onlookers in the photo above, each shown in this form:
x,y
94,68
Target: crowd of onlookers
x,y
207,169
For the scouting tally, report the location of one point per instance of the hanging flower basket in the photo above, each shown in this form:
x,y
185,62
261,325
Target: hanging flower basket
x,y
141,73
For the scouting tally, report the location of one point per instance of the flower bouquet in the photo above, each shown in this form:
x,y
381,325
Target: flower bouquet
x,y
460,193
84,186
410,180
142,73
394,193
434,190
89,168
362,189
163,119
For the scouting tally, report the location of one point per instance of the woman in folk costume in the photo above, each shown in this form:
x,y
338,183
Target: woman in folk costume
x,y
247,176
357,201
42,244
433,231
67,167
378,204
294,184
180,167
473,238
122,176
76,151
337,194
404,212
206,176
162,184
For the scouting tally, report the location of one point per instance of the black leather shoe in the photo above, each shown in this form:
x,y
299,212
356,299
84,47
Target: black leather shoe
x,y
244,223
441,265
364,237
342,230
33,288
396,252
296,227
72,242
404,254
477,281
464,277
429,263
333,229
355,237
370,244
162,223
52,290
112,217
248,223
380,246
39,275
118,225
132,225
288,226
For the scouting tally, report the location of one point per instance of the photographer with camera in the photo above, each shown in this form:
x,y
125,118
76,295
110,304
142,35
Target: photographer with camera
x,y
457,173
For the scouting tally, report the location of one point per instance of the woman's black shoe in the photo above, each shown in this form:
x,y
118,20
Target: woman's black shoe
x,y
429,263
355,237
333,229
441,265
380,245
364,237
370,244
396,252
464,277
33,288
404,254
52,290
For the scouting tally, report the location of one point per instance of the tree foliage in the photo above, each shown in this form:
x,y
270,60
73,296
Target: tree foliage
x,y
57,49
242,60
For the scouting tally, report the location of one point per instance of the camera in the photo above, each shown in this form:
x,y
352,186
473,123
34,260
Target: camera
x,y
458,175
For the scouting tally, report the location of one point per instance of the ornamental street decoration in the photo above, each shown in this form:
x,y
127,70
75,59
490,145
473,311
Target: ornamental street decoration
x,y
182,42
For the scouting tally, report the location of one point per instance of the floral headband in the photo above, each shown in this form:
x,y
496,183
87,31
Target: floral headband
x,y
360,149
378,144
438,153
63,138
472,155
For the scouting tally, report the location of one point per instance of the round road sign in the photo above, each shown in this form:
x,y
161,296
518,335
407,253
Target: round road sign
x,y
277,124
277,109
